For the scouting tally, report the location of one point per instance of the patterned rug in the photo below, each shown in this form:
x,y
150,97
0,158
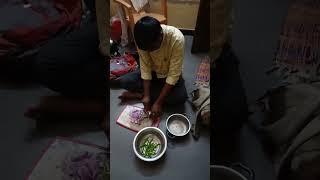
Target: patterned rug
x,y
71,160
203,73
297,57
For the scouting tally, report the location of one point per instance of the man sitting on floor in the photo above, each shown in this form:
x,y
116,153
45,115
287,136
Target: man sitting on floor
x,y
159,80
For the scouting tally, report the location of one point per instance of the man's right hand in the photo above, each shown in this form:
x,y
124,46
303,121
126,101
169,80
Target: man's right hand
x,y
146,103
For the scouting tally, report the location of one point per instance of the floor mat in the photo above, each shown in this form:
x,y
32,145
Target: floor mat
x,y
203,73
297,57
66,159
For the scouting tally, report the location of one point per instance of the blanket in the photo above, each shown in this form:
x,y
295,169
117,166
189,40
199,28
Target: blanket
x,y
201,102
293,120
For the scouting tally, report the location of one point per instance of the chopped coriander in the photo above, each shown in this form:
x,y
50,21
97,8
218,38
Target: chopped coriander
x,y
148,149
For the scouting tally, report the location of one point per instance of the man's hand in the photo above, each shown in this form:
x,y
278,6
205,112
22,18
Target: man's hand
x,y
146,103
156,110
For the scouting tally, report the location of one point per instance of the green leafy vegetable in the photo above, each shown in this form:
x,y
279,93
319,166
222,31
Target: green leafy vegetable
x,y
149,149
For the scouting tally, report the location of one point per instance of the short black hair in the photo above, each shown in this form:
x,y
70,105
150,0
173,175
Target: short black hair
x,y
146,31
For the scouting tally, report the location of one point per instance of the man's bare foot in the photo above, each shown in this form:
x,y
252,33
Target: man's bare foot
x,y
128,95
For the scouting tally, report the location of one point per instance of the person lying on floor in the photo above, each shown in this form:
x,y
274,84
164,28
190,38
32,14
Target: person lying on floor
x,y
159,80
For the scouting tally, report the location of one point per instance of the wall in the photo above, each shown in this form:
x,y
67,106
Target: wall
x,y
180,14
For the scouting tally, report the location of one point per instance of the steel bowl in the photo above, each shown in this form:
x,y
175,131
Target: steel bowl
x,y
158,137
177,125
219,172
